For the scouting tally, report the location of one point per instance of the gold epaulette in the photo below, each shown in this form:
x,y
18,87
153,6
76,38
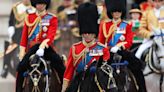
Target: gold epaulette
x,y
75,56
31,24
101,44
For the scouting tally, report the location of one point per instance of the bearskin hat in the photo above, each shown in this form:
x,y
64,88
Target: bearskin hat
x,y
115,5
88,18
47,2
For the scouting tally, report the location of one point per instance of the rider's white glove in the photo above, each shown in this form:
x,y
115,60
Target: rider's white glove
x,y
114,49
11,31
40,52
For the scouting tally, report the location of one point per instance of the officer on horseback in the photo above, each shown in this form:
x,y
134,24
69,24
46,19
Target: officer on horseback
x,y
85,52
118,36
152,19
39,28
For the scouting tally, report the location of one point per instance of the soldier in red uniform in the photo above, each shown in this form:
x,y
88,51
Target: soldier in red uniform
x,y
118,36
39,28
88,50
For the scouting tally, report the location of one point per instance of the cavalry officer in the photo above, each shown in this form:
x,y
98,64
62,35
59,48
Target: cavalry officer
x,y
88,50
118,36
39,28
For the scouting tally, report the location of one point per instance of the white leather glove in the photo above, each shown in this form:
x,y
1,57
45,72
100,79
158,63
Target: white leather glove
x,y
40,52
114,49
11,31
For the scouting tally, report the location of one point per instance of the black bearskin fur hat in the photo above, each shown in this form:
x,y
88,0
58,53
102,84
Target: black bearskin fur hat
x,y
47,2
88,18
115,5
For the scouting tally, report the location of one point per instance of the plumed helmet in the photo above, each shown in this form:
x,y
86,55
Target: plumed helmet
x,y
115,5
88,18
47,2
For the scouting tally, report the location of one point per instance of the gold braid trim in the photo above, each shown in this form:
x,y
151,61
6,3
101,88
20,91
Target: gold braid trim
x,y
82,54
98,84
111,30
89,44
34,23
31,24
76,57
101,44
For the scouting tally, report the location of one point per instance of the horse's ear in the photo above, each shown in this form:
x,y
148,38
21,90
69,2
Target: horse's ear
x,y
100,61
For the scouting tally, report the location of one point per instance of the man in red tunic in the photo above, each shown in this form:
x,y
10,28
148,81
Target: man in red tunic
x,y
39,28
88,50
118,36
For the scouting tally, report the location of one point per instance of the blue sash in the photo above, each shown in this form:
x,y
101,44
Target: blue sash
x,y
37,29
82,64
117,36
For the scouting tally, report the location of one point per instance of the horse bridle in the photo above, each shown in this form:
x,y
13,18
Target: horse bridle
x,y
35,79
107,69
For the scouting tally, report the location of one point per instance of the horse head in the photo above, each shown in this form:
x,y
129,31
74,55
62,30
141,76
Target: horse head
x,y
40,76
124,78
104,78
156,52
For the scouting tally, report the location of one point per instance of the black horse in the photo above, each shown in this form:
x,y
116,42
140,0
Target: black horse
x,y
125,79
101,77
40,74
